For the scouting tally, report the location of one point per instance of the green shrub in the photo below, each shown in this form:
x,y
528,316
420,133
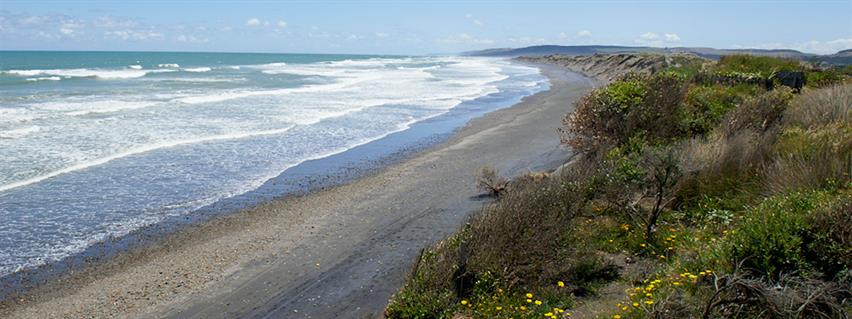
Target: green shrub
x,y
657,117
763,66
705,105
429,292
829,241
633,105
409,304
769,242
522,237
600,116
758,113
823,78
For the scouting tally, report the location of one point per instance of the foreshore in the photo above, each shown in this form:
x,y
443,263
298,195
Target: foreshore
x,y
337,252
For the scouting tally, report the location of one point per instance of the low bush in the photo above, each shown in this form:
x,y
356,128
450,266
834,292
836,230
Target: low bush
x,y
600,117
428,292
823,78
769,241
522,237
489,181
763,66
631,106
829,240
705,105
758,113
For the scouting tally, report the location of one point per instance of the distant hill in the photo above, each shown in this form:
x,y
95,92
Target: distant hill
x,y
842,57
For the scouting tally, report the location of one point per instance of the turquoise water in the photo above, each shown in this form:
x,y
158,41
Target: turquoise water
x,y
94,145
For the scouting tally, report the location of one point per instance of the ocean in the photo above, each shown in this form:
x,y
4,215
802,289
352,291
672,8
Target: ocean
x,y
97,145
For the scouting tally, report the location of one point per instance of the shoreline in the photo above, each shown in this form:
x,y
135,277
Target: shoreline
x,y
277,254
302,179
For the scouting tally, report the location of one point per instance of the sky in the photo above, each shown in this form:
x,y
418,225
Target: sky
x,y
419,26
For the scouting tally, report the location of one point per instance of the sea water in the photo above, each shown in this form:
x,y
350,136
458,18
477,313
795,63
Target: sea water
x,y
95,145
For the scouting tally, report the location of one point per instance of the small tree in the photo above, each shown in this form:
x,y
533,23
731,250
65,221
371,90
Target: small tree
x,y
661,167
663,173
488,180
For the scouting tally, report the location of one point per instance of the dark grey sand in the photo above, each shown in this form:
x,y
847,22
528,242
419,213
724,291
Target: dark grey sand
x,y
339,252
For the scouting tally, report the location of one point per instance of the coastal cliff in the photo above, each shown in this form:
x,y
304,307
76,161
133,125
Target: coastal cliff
x,y
606,67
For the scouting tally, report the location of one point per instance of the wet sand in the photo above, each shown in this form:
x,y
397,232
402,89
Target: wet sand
x,y
337,252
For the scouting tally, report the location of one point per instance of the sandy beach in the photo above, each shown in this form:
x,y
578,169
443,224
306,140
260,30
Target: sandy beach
x,y
338,252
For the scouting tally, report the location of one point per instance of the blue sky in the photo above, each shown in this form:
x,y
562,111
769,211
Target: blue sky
x,y
419,27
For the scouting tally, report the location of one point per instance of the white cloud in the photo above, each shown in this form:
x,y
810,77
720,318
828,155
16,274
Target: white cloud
x,y
653,39
190,39
134,35
45,35
578,37
33,20
70,29
381,35
282,24
813,46
649,37
526,40
253,22
473,20
110,22
319,34
671,37
464,38
66,31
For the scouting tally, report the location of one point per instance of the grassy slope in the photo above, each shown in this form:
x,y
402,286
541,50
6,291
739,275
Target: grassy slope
x,y
693,199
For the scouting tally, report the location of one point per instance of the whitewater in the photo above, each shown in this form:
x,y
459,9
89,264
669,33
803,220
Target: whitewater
x,y
94,146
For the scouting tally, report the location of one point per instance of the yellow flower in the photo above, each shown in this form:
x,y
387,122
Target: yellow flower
x,y
538,302
549,314
624,308
464,302
616,317
529,295
649,302
529,300
676,283
500,290
635,304
523,308
560,284
499,308
642,245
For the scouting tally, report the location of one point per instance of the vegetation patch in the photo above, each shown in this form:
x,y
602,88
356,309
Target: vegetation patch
x,y
708,199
